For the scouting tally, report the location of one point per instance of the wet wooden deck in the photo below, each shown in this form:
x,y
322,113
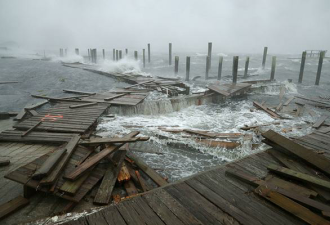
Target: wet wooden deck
x,y
211,197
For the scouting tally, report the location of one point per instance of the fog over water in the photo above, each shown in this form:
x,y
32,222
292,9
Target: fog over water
x,y
237,26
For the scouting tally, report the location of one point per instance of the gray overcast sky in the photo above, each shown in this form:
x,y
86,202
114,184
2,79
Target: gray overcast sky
x,y
286,26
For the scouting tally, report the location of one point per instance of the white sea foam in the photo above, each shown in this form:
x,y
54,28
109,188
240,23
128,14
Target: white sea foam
x,y
70,58
125,65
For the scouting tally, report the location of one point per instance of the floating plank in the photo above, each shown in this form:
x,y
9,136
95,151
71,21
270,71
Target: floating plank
x,y
259,125
116,96
81,169
33,112
288,101
31,129
70,147
79,92
12,206
59,99
9,82
320,121
290,206
299,176
37,105
49,164
267,110
218,90
149,171
134,85
104,192
20,115
82,105
112,140
217,144
4,162
317,160
198,132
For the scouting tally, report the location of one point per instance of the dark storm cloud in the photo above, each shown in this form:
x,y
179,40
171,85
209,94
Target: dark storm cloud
x,y
232,25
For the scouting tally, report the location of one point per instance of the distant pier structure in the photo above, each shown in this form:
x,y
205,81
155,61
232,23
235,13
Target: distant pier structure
x,y
314,53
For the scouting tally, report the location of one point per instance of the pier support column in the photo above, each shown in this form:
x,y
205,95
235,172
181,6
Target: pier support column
x,y
103,52
126,51
272,72
246,67
149,53
89,54
209,54
77,51
264,57
235,69
187,68
120,54
114,54
170,54
176,65
207,68
144,57
117,55
302,67
319,68
136,55
220,67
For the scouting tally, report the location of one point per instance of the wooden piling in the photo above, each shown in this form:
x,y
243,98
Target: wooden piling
x,y
120,54
264,57
135,55
209,54
170,54
126,51
246,67
113,54
117,55
319,68
220,67
149,53
77,51
187,68
235,69
176,65
144,58
302,67
61,52
207,68
89,55
272,72
103,52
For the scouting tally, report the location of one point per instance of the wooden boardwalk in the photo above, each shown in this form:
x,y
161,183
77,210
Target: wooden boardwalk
x,y
211,197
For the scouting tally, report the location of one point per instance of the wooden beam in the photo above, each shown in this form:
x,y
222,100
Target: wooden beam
x,y
124,174
299,176
49,164
97,141
267,110
134,85
130,188
290,206
71,187
12,206
320,121
31,129
317,160
79,92
288,101
81,169
70,147
104,192
149,171
114,97
37,105
142,182
82,105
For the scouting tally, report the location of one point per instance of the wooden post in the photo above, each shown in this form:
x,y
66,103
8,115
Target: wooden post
x,y
187,68
136,55
220,67
66,52
209,54
126,51
113,54
144,58
170,54
246,67
148,53
319,68
117,55
95,56
92,55
264,57
176,65
89,55
272,72
120,54
302,67
77,51
61,52
207,68
103,51
235,68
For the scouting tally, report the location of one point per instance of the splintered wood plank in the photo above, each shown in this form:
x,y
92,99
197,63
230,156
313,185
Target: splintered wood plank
x,y
290,206
320,121
138,84
202,133
142,182
149,171
224,205
115,96
70,147
49,164
204,210
124,174
130,188
299,176
79,92
12,206
81,169
103,195
161,209
267,110
317,160
71,187
218,90
95,141
82,105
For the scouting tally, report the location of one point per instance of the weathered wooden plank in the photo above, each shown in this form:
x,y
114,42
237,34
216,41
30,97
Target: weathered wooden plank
x,y
128,213
145,187
124,174
82,105
288,101
290,206
218,90
267,110
71,187
12,206
141,83
49,164
130,188
97,141
320,121
149,171
115,96
317,160
112,216
20,115
79,92
33,112
299,176
70,147
4,162
103,195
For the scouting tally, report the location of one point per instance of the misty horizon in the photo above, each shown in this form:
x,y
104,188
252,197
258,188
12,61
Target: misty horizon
x,y
232,26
